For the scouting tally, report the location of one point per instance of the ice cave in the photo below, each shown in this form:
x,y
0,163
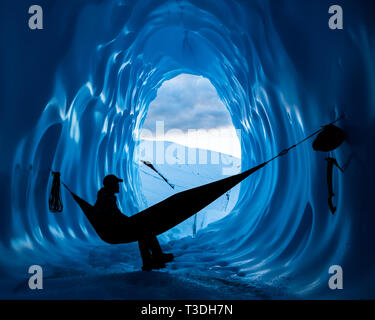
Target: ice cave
x,y
75,96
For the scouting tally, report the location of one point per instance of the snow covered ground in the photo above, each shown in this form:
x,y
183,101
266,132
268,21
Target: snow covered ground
x,y
113,272
210,166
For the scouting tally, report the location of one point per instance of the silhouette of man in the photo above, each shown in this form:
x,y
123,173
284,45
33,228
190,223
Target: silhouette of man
x,y
149,247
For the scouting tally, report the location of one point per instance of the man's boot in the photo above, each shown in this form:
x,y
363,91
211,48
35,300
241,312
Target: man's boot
x,y
151,264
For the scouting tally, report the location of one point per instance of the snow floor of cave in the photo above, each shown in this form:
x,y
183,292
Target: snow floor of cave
x,y
114,272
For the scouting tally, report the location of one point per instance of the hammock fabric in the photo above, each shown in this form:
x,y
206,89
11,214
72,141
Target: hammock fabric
x,y
160,217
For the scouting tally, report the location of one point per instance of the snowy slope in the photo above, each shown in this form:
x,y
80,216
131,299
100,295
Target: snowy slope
x,y
182,176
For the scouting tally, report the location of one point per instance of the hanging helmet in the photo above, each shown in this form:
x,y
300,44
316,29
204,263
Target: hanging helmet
x,y
329,139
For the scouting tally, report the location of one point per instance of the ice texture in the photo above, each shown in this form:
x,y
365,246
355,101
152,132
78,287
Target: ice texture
x,y
280,71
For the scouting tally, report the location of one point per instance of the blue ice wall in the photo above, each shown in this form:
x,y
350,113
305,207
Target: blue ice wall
x,y
74,97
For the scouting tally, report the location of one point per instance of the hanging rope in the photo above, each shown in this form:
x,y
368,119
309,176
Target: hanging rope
x,y
285,151
55,202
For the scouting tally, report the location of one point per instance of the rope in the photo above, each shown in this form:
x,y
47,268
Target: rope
x,y
285,151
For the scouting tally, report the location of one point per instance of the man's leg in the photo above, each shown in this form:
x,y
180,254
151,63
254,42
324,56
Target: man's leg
x,y
145,252
157,253
154,246
151,261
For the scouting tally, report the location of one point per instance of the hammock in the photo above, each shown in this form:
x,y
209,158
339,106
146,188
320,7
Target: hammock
x,y
160,217
168,213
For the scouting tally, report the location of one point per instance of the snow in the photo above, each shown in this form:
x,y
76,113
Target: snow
x,y
184,176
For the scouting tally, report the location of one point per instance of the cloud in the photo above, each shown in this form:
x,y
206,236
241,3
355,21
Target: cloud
x,y
187,102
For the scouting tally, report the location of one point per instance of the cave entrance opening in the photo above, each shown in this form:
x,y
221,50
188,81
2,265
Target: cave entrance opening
x,y
187,140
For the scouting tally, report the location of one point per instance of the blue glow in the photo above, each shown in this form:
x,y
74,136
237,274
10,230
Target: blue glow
x,y
280,234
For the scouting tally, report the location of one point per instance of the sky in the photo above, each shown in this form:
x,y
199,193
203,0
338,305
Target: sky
x,y
188,111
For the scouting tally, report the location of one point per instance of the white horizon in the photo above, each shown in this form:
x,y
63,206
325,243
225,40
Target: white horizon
x,y
222,140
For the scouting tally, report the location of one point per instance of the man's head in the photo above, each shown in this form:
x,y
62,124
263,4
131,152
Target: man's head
x,y
111,182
